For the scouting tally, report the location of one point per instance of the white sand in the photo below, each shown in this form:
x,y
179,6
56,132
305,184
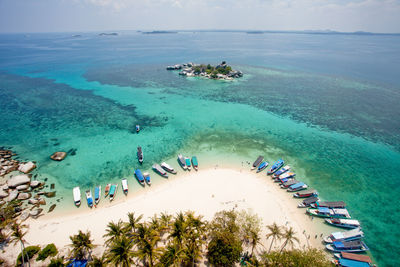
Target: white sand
x,y
205,192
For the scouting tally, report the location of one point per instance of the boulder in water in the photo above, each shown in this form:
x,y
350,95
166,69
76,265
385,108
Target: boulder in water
x,y
33,201
35,184
18,180
58,156
26,167
23,196
52,207
42,201
50,194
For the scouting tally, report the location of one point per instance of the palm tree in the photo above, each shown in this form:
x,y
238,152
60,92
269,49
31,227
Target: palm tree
x,y
120,252
275,233
289,237
114,230
146,239
17,235
171,256
193,237
255,239
81,245
98,261
178,230
133,221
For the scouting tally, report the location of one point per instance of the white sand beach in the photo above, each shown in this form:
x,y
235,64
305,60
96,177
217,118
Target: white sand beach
x,y
205,192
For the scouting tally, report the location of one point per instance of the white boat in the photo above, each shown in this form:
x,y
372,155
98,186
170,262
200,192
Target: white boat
x,y
125,186
146,176
157,168
182,162
77,196
168,168
344,223
353,234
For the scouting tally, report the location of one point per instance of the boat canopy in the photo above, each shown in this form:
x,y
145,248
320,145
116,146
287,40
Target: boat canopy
x,y
310,200
139,175
194,161
124,184
356,257
343,212
298,185
352,263
324,210
77,194
112,189
258,160
347,234
309,191
348,244
290,182
331,204
347,221
96,192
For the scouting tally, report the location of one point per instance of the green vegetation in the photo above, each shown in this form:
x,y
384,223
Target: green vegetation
x,y
48,251
28,252
81,245
215,70
295,258
57,262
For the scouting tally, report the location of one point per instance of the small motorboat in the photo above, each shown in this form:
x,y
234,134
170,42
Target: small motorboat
x,y
124,183
306,193
168,168
137,128
139,176
107,190
347,259
276,166
89,198
347,246
140,154
257,162
113,191
329,204
195,163
262,166
77,196
157,168
354,234
289,183
286,175
97,194
297,187
306,202
329,213
182,162
281,171
343,223
188,163
146,176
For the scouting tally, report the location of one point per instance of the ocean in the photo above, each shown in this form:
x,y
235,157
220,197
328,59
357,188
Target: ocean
x,y
327,104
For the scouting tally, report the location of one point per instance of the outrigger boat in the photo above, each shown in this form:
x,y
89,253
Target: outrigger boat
x,y
107,190
329,213
278,164
182,161
329,204
77,196
347,259
146,176
306,193
347,246
168,168
89,198
140,154
306,202
343,223
113,191
124,183
257,162
188,164
97,194
289,183
139,176
297,187
195,163
262,166
354,234
281,171
157,168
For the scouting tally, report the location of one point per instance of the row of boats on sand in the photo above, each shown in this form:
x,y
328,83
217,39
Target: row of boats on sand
x,y
344,245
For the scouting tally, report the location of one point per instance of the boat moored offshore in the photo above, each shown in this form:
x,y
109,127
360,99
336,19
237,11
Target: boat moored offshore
x,y
157,168
77,196
281,171
276,166
140,154
347,246
168,168
329,213
113,191
306,202
306,193
297,187
97,194
354,234
146,176
257,162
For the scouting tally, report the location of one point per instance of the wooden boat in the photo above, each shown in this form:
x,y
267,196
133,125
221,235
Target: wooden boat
x,y
262,166
329,204
354,234
347,259
281,171
139,176
306,202
182,161
276,166
306,193
97,194
168,168
195,163
89,198
286,175
113,191
188,163
297,187
140,154
343,223
257,162
146,176
107,190
157,168
77,196
347,246
289,183
124,183
329,213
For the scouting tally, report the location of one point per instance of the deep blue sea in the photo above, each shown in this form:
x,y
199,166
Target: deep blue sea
x,y
328,104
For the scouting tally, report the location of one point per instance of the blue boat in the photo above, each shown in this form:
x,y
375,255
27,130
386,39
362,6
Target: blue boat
x,y
262,166
297,187
146,176
351,263
89,198
276,166
97,194
281,171
139,176
347,246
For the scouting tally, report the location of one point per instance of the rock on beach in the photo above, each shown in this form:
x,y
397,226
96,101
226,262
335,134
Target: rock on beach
x,y
18,180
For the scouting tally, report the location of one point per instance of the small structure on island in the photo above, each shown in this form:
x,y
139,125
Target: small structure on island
x,y
58,156
219,72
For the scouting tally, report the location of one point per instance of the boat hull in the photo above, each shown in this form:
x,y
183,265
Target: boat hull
x,y
346,226
332,248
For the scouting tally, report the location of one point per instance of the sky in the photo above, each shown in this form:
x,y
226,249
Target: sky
x,y
113,15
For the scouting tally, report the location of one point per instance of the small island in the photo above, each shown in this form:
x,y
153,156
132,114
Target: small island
x,y
219,72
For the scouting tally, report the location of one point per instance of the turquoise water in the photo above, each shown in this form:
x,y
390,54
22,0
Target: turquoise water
x,y
326,104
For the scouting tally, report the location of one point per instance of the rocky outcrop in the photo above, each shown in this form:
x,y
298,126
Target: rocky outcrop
x,y
26,167
22,187
12,195
24,196
35,184
58,156
18,180
35,213
3,194
24,215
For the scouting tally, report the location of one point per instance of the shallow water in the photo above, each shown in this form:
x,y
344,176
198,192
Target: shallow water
x,y
326,104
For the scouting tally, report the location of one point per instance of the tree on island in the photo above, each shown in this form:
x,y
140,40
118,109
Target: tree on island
x,y
82,245
17,236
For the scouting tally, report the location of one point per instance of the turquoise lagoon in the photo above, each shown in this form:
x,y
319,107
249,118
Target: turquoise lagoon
x,y
327,104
